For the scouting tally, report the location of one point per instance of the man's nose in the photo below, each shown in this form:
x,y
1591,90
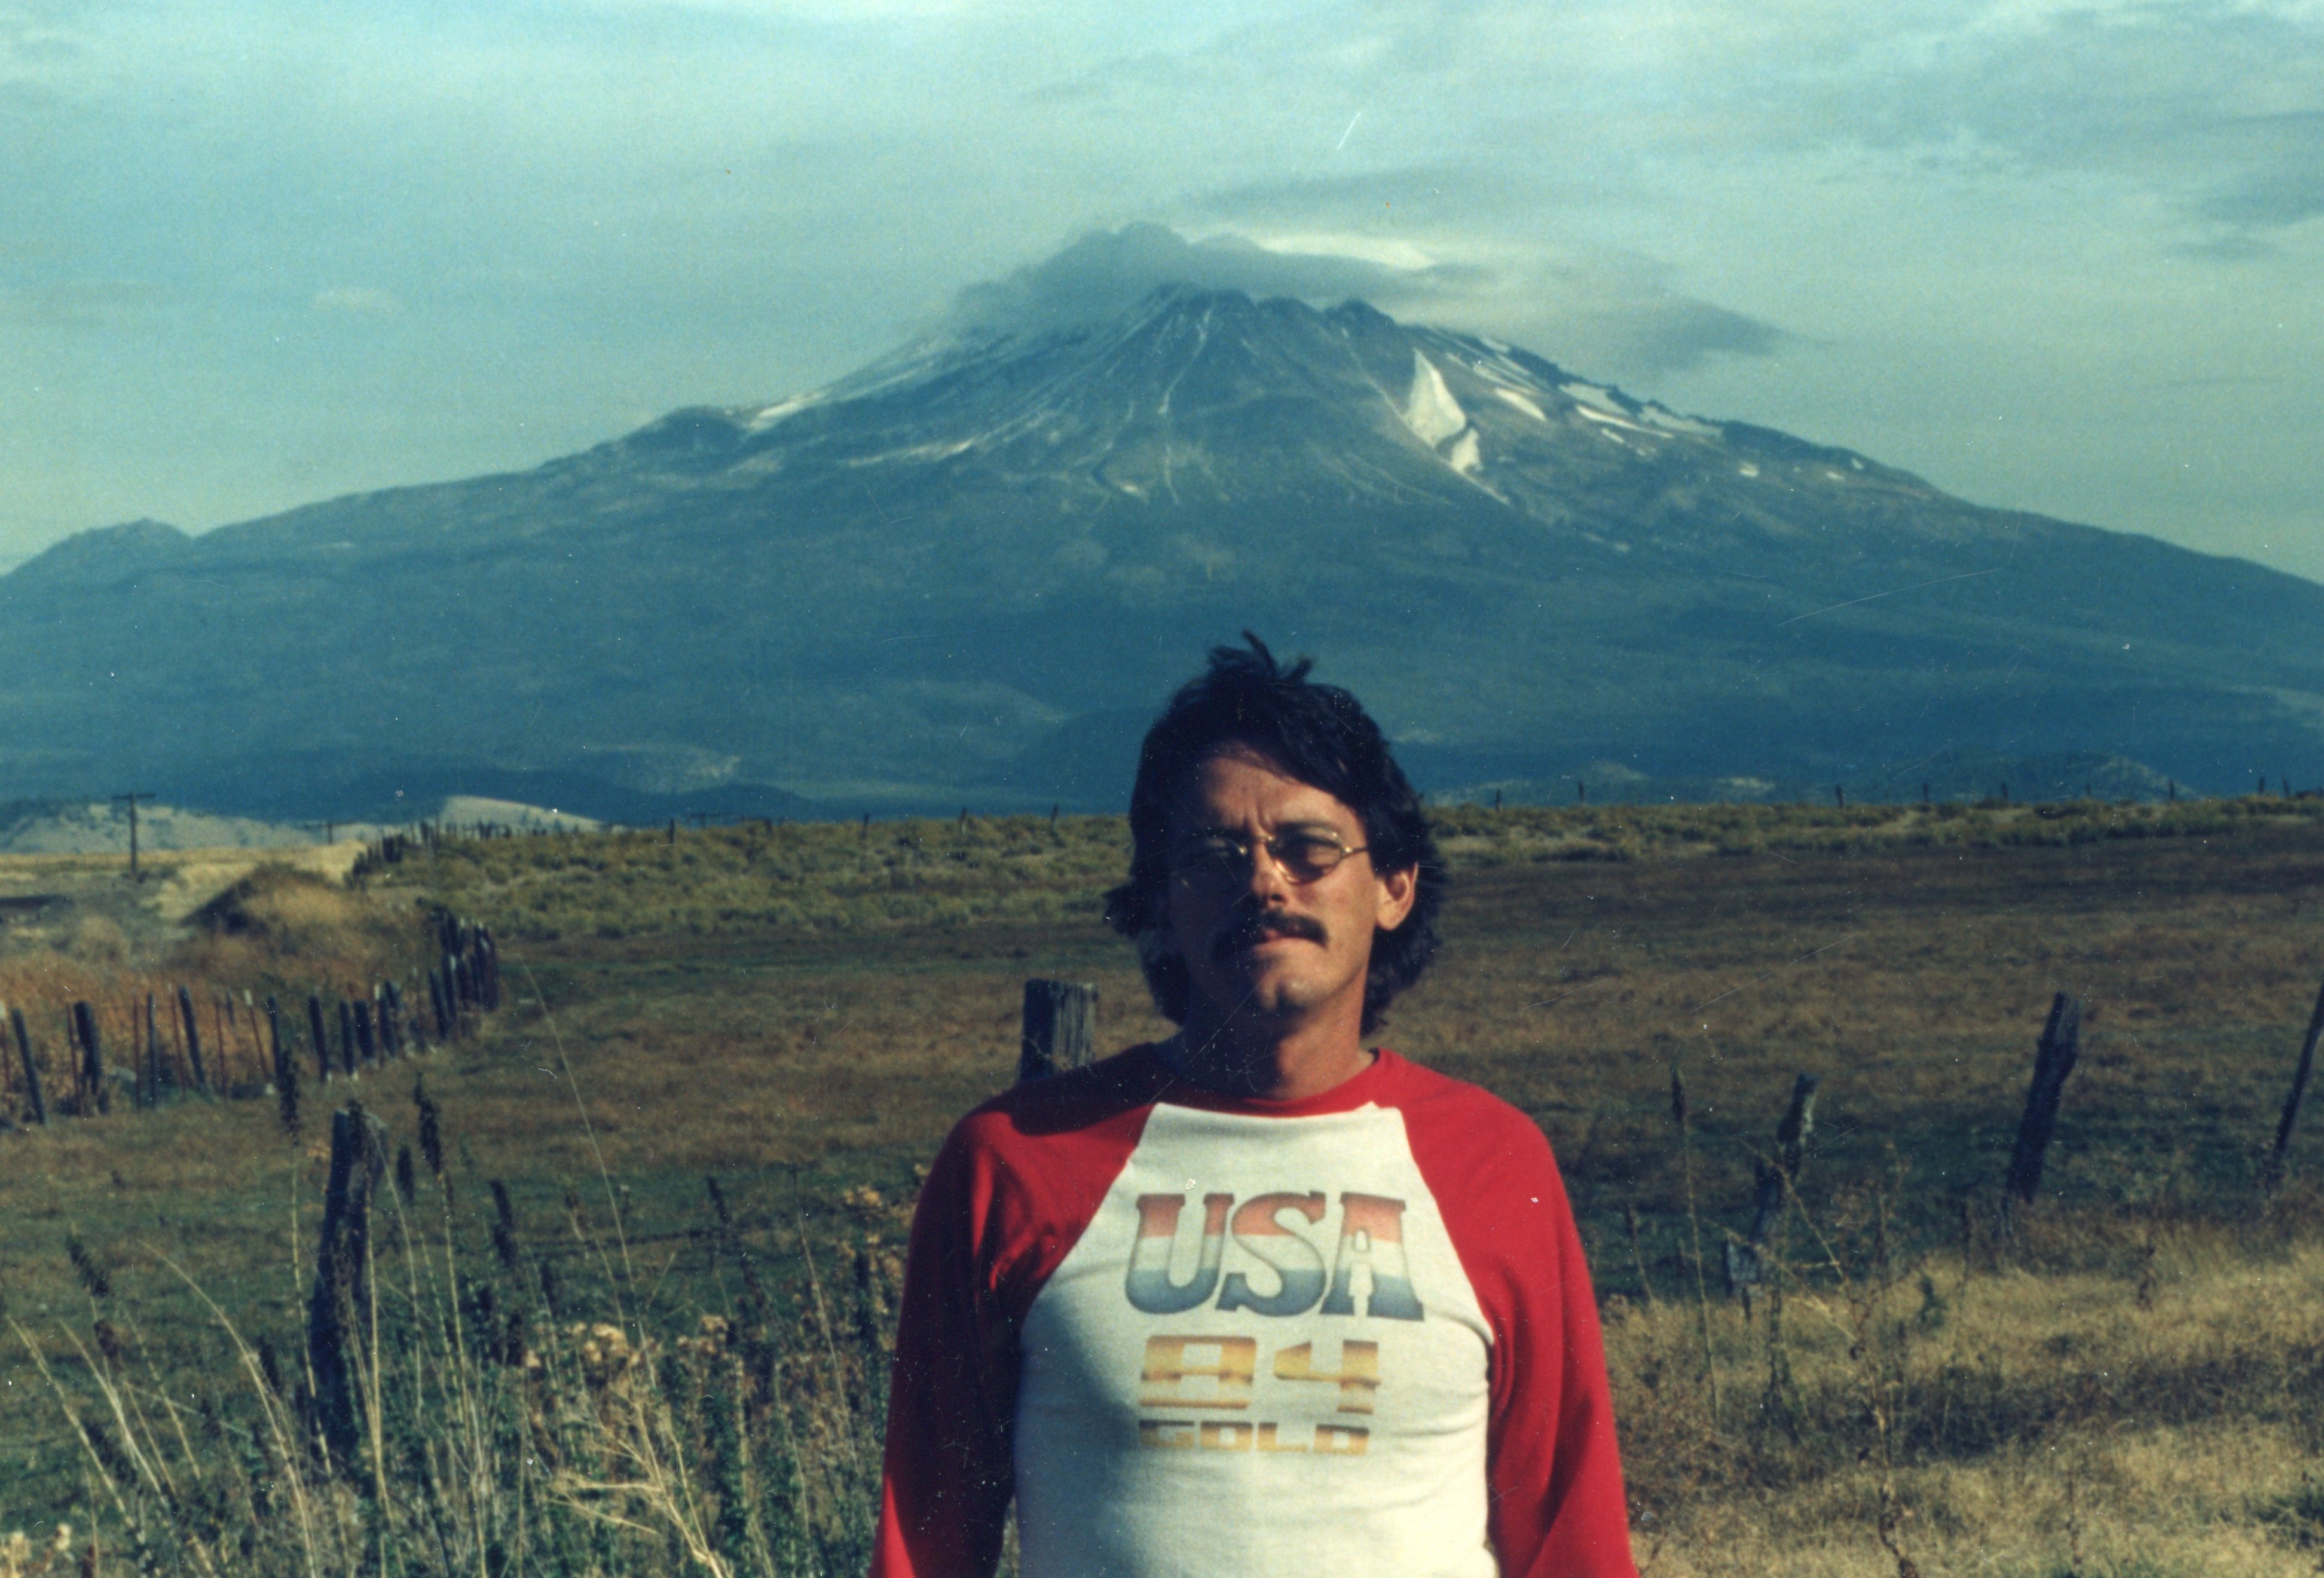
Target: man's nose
x,y
1264,876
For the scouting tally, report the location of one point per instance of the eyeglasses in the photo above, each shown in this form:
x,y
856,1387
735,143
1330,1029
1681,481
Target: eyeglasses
x,y
1303,854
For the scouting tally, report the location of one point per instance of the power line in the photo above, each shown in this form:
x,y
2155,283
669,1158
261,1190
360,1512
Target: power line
x,y
132,799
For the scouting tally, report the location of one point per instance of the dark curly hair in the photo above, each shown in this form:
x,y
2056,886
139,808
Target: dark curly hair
x,y
1319,735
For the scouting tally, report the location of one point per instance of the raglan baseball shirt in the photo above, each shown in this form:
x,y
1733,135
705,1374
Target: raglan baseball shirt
x,y
1195,1335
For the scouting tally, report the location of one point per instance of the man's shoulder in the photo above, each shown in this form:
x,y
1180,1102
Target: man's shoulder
x,y
1469,1141
1029,1167
1439,1098
1094,1101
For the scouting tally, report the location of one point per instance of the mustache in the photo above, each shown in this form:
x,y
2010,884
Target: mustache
x,y
1255,928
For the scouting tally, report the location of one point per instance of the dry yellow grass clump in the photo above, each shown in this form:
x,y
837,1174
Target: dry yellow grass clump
x,y
1997,1416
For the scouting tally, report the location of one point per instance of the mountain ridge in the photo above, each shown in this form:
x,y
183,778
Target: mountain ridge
x,y
925,582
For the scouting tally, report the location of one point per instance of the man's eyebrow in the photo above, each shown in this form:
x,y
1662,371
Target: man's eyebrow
x,y
1281,828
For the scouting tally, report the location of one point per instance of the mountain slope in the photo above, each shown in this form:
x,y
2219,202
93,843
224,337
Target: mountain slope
x,y
974,568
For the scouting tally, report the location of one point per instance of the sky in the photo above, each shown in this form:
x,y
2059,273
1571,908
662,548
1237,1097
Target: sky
x,y
2062,257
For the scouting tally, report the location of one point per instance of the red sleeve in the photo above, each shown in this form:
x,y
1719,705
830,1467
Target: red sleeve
x,y
1554,1472
951,1393
1010,1193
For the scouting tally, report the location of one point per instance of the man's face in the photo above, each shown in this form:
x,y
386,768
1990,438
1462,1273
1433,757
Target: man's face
x,y
1258,942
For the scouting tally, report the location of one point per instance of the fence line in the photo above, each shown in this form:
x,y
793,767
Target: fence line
x,y
146,1053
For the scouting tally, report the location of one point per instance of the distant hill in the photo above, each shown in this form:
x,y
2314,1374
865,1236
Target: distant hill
x,y
1955,775
970,573
98,826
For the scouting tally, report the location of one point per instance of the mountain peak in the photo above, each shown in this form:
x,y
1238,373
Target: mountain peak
x,y
113,552
1198,396
969,571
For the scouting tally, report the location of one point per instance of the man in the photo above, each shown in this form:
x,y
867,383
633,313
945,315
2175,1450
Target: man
x,y
1258,1299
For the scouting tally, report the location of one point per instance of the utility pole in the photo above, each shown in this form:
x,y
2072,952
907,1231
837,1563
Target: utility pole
x,y
132,800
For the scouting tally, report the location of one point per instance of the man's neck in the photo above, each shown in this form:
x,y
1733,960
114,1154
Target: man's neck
x,y
1252,1058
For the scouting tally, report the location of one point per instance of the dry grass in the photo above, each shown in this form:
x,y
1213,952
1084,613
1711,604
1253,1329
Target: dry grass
x,y
2042,1421
502,1415
2142,1504
280,927
785,878
1915,982
931,872
800,1053
276,929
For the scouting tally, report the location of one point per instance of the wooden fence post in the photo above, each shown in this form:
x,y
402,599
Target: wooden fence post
x,y
488,970
92,1058
341,1257
1743,1271
2291,1102
275,1035
1060,1029
40,1105
194,1038
2053,1060
286,1070
322,1042
36,1097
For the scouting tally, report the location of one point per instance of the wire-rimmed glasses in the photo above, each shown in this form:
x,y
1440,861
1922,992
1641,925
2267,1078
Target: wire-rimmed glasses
x,y
1303,855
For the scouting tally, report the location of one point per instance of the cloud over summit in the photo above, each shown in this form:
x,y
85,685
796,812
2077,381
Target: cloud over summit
x,y
1608,314
1106,273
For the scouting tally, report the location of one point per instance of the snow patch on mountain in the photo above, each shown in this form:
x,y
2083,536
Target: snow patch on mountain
x,y
1489,359
1429,408
921,454
1595,398
1512,397
769,416
1604,420
1670,419
1464,457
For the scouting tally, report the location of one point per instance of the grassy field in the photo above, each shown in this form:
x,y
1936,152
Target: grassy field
x,y
2127,1383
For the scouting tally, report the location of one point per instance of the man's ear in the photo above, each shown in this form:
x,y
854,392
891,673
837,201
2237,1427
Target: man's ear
x,y
1398,891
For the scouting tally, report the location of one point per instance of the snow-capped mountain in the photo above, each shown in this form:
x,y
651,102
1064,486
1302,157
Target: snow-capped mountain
x,y
973,569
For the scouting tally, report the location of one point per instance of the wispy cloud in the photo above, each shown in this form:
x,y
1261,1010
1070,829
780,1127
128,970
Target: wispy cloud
x,y
1105,273
358,300
1613,315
